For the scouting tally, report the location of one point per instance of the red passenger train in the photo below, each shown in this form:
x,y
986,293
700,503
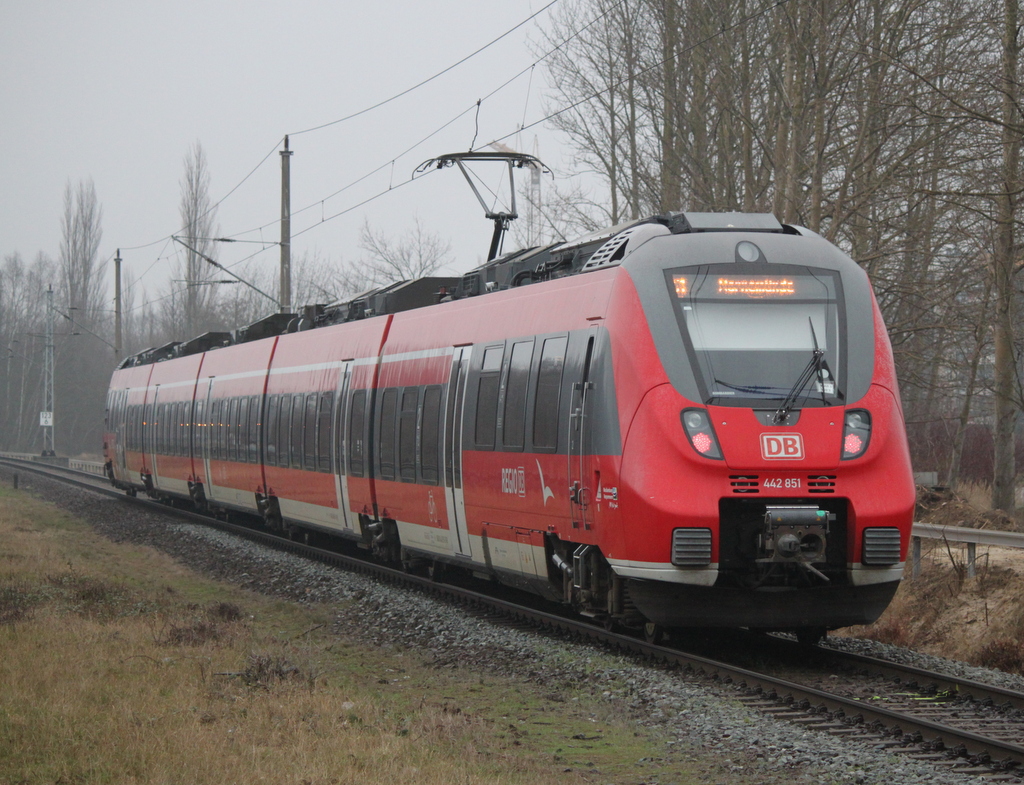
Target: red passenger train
x,y
690,420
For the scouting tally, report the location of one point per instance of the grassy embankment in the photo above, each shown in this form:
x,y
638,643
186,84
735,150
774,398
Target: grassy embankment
x,y
119,665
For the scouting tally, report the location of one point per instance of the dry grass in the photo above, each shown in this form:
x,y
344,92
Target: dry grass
x,y
120,667
945,612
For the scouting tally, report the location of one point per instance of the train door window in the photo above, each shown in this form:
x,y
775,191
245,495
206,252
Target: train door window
x,y
386,442
243,430
356,445
273,404
295,453
309,430
252,431
325,412
407,434
487,398
549,387
430,432
514,424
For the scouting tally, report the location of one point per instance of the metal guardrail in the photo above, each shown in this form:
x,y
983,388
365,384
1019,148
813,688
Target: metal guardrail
x,y
960,534
92,467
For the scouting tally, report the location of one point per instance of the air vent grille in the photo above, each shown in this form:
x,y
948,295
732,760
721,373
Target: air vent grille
x,y
691,547
881,546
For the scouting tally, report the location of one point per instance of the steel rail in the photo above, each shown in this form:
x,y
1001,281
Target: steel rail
x,y
790,692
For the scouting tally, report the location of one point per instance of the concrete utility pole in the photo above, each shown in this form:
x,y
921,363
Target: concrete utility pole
x,y
117,307
46,415
286,230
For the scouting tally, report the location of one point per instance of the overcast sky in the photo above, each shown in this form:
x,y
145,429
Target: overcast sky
x,y
117,91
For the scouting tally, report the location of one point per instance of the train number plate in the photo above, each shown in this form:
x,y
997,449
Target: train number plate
x,y
782,483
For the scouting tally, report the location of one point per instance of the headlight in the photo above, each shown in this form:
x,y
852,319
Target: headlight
x,y
856,433
698,429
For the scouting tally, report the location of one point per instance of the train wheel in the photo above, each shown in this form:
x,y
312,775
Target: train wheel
x,y
811,636
654,633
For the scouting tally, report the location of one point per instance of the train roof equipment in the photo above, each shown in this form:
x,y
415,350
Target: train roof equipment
x,y
595,251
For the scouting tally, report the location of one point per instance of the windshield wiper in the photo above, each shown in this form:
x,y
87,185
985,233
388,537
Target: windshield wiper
x,y
813,368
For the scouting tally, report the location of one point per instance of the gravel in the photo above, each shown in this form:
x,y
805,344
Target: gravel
x,y
702,721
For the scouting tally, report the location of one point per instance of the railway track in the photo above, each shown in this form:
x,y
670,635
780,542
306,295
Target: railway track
x,y
968,726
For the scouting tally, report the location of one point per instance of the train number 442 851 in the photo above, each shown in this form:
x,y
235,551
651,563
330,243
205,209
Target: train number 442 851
x,y
787,483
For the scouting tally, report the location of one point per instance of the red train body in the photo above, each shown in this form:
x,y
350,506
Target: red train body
x,y
688,421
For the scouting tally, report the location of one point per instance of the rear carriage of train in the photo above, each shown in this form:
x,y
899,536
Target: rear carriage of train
x,y
764,478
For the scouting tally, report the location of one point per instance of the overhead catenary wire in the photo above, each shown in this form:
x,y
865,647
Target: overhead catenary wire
x,y
475,106
429,79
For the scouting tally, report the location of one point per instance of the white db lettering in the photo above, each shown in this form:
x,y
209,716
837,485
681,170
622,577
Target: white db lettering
x,y
782,446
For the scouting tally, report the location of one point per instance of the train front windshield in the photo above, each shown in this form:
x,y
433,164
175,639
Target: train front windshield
x,y
757,339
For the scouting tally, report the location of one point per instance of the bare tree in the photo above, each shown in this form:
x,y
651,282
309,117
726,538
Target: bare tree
x,y
415,254
83,358
193,312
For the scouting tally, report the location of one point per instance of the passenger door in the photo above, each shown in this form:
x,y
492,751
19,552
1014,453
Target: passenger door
x,y
341,425
454,406
581,494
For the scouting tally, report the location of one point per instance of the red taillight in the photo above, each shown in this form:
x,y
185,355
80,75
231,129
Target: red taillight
x,y
702,443
856,433
697,425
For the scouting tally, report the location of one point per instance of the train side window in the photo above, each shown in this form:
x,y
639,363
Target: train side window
x,y
253,429
232,430
273,403
487,398
198,428
356,445
175,445
173,426
175,429
298,408
309,429
407,434
386,441
283,423
430,432
221,429
211,429
514,426
549,387
186,428
325,412
243,429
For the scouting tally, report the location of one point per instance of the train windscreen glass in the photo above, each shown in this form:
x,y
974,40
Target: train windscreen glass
x,y
752,337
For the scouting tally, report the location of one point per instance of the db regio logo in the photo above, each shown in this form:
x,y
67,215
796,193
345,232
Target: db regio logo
x,y
782,446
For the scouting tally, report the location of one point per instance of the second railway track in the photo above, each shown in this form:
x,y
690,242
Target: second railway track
x,y
965,725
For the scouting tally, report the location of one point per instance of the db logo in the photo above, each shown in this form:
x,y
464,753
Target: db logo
x,y
782,446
